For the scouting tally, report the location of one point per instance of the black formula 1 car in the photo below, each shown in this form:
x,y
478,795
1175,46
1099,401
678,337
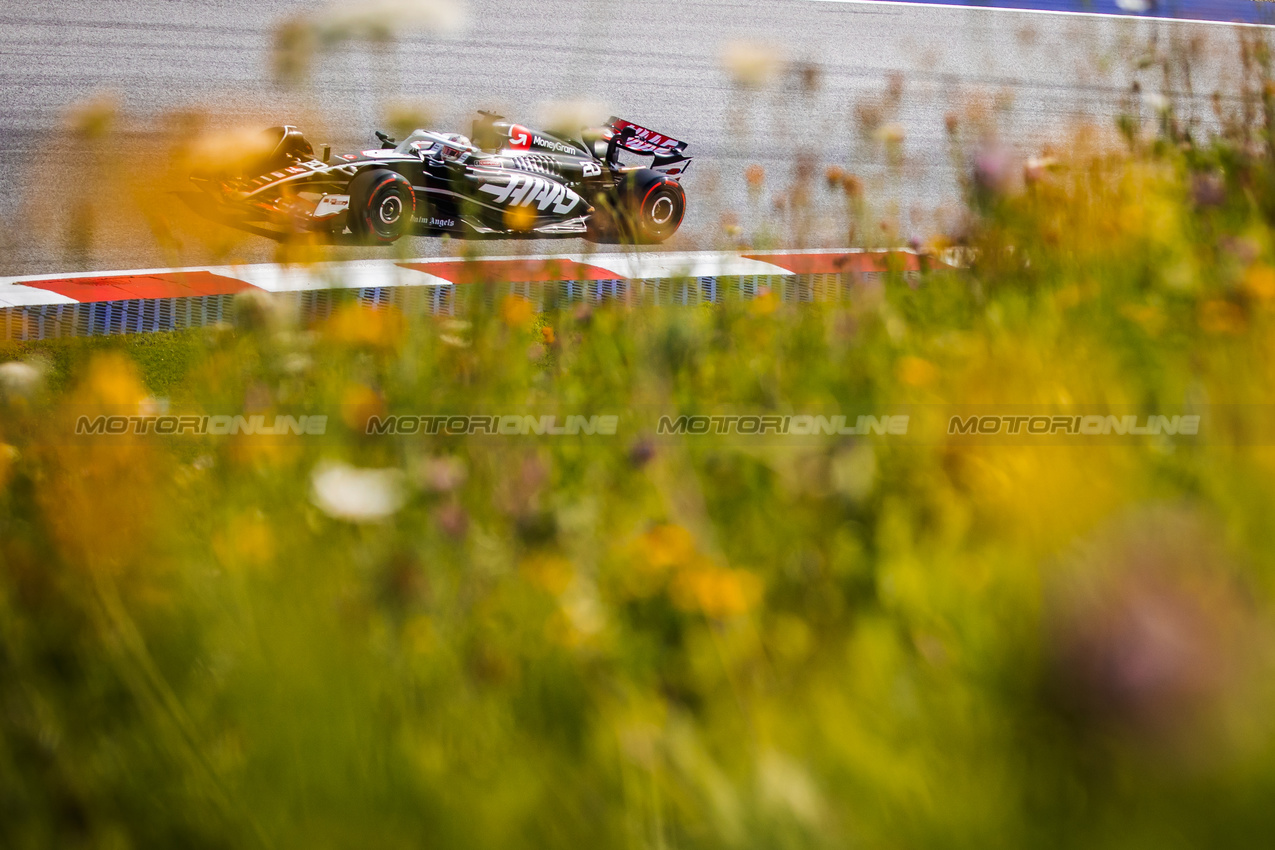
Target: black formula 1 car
x,y
508,181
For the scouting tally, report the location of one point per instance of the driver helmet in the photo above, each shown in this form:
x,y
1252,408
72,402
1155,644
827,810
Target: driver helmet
x,y
456,147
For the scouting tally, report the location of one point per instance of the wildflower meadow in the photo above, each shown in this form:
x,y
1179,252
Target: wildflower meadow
x,y
375,637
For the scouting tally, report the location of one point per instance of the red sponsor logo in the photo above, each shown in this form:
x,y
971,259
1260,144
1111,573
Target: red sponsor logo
x,y
519,138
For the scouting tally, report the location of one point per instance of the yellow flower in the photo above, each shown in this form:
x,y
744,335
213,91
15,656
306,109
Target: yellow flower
x,y
8,454
247,539
764,304
1259,280
112,382
666,546
516,311
1218,316
357,325
716,591
697,583
259,451
653,555
102,494
520,218
359,403
916,372
1068,296
1150,317
550,572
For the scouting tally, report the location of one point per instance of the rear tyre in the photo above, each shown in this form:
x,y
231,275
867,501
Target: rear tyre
x,y
660,213
382,205
647,209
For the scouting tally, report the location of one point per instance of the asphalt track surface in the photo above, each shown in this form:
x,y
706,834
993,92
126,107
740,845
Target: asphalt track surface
x,y
658,62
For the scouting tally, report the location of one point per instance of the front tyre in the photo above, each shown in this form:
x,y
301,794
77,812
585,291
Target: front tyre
x,y
382,205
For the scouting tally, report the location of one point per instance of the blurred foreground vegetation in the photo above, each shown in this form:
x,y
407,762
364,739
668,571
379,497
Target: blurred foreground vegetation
x,y
636,642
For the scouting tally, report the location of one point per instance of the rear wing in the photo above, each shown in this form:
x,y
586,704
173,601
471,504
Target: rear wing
x,y
667,152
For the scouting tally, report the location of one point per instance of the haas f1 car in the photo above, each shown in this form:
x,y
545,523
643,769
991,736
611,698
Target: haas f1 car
x,y
509,181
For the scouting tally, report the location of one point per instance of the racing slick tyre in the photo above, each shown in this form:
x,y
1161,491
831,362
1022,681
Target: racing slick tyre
x,y
382,205
647,209
660,212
